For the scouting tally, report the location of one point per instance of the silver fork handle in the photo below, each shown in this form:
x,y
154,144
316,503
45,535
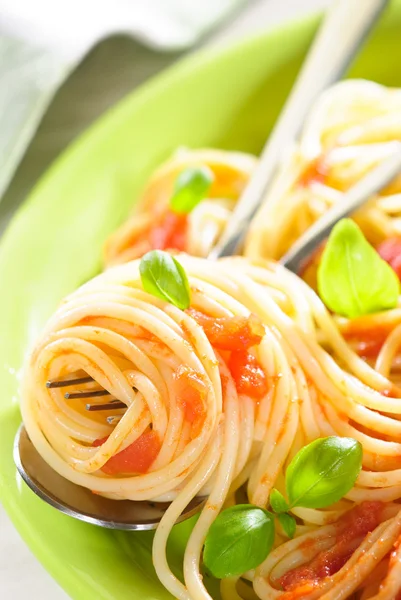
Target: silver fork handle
x,y
362,191
342,32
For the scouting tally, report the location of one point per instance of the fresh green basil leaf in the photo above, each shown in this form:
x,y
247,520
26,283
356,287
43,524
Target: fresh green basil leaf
x,y
164,277
191,187
239,539
277,501
323,472
352,278
288,524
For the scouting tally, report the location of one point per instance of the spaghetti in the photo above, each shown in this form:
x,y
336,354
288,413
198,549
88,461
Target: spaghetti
x,y
352,128
219,398
153,225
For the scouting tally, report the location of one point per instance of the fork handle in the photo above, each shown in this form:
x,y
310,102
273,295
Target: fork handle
x,y
341,34
356,196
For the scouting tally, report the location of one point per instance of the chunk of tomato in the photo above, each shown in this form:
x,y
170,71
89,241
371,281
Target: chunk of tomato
x,y
230,333
390,251
367,335
354,525
170,232
190,393
135,458
313,172
249,377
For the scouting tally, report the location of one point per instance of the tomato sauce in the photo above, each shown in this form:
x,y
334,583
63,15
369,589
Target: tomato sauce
x,y
353,526
170,232
136,458
190,393
390,251
230,333
233,336
315,171
248,375
368,335
394,560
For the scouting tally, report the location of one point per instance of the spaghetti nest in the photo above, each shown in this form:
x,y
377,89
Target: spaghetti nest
x,y
219,399
352,127
154,225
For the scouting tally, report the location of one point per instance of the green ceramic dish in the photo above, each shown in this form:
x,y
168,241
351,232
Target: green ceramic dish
x,y
228,99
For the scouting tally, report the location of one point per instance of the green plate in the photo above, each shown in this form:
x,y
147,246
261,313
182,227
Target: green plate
x,y
229,99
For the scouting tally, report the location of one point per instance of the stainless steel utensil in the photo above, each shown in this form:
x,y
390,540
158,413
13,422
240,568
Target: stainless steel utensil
x,y
356,196
81,503
339,38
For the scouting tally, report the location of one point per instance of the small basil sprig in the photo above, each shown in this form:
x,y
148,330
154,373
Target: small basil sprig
x,y
191,187
323,472
288,523
239,539
320,474
164,277
277,501
353,280
280,506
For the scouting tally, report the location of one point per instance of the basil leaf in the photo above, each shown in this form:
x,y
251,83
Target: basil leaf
x,y
352,278
191,187
239,539
323,472
288,524
277,501
164,277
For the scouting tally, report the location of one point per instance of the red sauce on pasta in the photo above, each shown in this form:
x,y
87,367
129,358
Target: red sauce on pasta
x,y
190,394
390,251
367,335
314,171
135,458
230,333
170,232
356,524
249,377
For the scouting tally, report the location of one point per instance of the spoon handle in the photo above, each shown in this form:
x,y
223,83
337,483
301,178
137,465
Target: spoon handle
x,y
339,37
362,191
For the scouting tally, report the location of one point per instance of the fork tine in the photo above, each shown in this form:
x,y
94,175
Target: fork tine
x,y
113,404
88,394
67,382
106,406
113,420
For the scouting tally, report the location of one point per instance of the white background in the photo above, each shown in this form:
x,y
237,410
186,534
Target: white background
x,y
20,572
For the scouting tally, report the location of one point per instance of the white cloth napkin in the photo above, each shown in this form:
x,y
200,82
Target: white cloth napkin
x,y
42,41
